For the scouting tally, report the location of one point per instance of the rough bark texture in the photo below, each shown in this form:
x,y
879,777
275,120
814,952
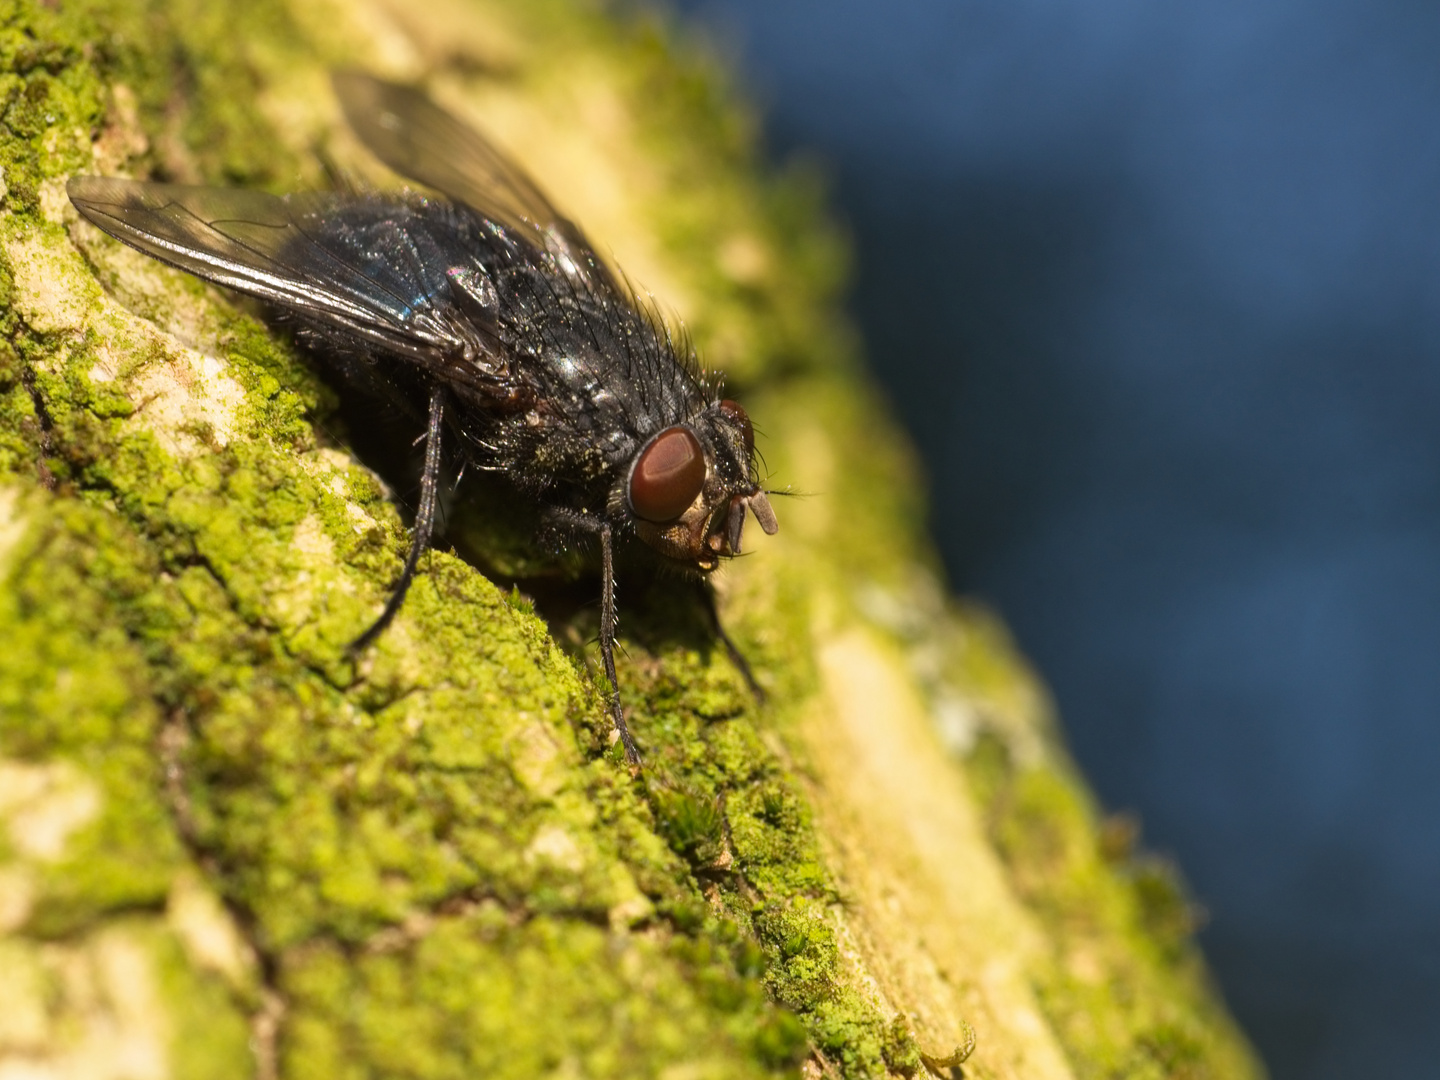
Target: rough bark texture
x,y
226,852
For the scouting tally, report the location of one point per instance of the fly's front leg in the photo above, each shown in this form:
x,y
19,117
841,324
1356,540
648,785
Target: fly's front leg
x,y
577,521
424,522
607,644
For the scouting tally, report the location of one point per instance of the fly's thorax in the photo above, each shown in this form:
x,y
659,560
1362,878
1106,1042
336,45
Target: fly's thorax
x,y
690,485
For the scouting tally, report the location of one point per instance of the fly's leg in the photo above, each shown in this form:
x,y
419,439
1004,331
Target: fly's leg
x,y
578,521
707,595
424,522
607,644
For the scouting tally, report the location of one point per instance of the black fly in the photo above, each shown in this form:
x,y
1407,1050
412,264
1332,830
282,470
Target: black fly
x,y
491,315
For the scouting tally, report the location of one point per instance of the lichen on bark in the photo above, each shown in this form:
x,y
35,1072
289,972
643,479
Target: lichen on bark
x,y
226,849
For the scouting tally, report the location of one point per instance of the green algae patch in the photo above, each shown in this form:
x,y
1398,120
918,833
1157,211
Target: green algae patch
x,y
483,995
88,828
432,861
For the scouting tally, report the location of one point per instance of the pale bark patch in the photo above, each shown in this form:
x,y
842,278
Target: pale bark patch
x,y
927,903
43,805
53,292
208,932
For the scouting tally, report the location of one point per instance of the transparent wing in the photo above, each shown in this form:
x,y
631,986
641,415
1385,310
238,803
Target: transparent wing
x,y
420,140
372,268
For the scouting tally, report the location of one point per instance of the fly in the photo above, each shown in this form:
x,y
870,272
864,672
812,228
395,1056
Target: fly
x,y
489,313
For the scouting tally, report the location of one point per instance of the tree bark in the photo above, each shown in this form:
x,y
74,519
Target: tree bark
x,y
226,849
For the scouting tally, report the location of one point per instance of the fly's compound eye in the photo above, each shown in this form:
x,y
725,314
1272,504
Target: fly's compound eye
x,y
735,412
667,476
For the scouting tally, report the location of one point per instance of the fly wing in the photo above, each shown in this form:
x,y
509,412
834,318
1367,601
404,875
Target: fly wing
x,y
418,139
325,258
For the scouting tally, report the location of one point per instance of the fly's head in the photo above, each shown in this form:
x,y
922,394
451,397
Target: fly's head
x,y
691,485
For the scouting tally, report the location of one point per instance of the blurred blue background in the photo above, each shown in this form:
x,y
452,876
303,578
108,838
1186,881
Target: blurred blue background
x,y
1157,289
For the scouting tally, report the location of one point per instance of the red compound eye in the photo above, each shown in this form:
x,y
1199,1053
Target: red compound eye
x,y
734,410
668,474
